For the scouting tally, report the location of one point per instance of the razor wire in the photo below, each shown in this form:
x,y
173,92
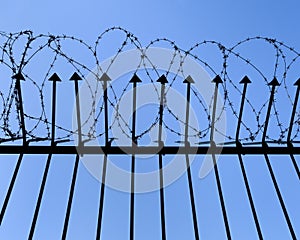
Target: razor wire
x,y
19,52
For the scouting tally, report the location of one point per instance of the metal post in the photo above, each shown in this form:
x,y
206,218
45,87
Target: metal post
x,y
189,80
218,80
162,80
290,145
75,77
135,79
18,77
54,78
275,83
105,78
245,81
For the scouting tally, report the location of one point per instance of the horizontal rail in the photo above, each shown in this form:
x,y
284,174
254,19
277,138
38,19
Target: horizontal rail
x,y
143,150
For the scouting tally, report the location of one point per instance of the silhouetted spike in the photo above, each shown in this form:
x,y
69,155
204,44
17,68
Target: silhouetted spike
x,y
217,79
55,78
245,80
75,77
135,78
18,76
297,83
274,82
189,79
105,78
162,79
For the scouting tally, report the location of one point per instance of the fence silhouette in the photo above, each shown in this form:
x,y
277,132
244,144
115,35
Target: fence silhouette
x,y
256,90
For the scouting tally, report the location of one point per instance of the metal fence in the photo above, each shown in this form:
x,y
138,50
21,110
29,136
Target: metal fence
x,y
236,118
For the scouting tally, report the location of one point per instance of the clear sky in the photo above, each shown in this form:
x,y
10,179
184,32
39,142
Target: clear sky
x,y
186,22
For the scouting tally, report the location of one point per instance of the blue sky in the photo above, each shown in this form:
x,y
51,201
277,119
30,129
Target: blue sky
x,y
185,22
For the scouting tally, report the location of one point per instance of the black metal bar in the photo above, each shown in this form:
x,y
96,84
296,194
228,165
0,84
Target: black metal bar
x,y
285,212
54,78
18,77
257,225
163,81
132,198
100,213
75,77
104,78
218,80
275,83
245,81
135,79
295,165
10,188
149,150
162,199
220,192
70,200
192,198
297,83
189,80
105,111
40,196
53,113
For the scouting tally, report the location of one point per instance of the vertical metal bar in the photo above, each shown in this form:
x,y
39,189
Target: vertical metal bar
x,y
297,83
189,80
18,86
163,81
10,188
54,78
275,83
18,77
104,78
135,79
40,196
294,163
75,77
245,81
100,213
218,80
250,198
71,194
286,215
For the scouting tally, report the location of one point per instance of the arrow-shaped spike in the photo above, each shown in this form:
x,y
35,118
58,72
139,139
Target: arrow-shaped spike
x,y
217,79
162,79
245,80
75,77
189,79
135,79
274,82
297,83
18,76
55,78
105,78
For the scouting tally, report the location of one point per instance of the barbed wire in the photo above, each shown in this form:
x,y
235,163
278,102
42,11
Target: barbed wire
x,y
37,57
